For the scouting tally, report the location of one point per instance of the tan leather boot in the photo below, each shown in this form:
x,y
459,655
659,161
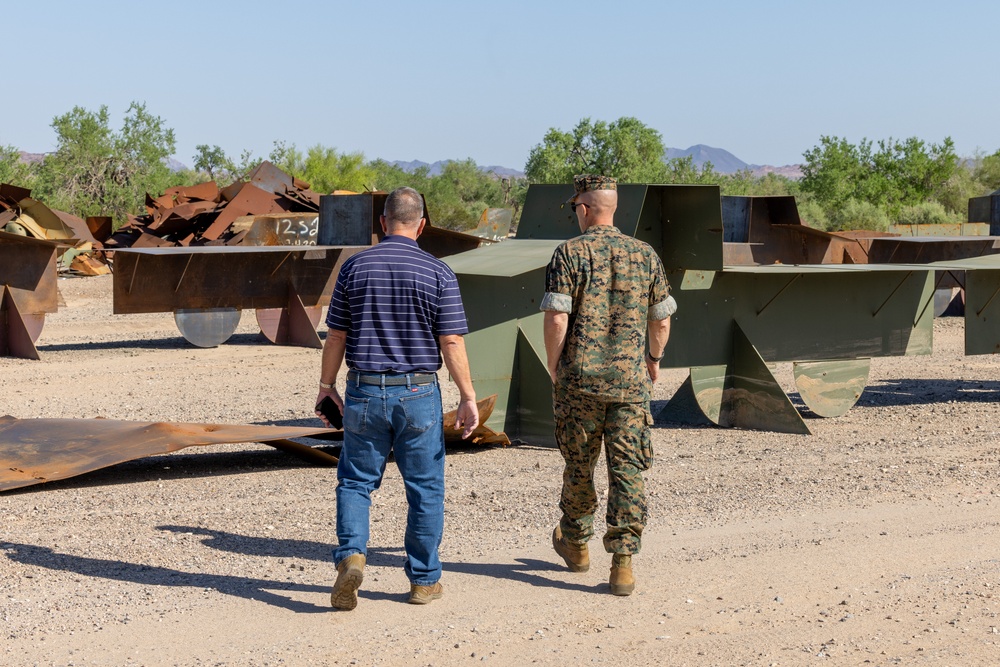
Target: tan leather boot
x,y
350,574
621,580
424,594
577,556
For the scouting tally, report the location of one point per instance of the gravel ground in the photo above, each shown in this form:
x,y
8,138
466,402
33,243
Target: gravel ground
x,y
872,541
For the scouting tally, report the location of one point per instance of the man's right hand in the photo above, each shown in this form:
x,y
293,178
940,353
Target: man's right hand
x,y
335,395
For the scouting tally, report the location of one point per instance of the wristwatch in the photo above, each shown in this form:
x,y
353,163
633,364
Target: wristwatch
x,y
324,385
649,355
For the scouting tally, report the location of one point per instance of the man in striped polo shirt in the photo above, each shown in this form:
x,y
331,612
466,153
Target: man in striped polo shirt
x,y
395,311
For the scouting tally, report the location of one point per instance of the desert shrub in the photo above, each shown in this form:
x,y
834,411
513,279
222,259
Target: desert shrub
x,y
856,214
927,213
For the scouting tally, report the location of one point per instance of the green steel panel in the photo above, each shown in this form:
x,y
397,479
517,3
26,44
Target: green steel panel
x,y
683,222
691,216
503,260
533,328
791,316
982,311
535,418
492,353
544,216
490,300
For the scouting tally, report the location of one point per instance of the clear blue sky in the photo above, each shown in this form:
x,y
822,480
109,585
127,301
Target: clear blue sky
x,y
436,80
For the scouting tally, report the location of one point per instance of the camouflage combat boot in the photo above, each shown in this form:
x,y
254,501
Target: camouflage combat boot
x,y
621,580
576,555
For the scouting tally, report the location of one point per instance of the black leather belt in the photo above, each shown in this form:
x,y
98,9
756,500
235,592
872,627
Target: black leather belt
x,y
380,380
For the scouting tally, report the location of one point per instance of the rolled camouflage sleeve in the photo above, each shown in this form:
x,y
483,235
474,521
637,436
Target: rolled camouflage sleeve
x,y
558,284
661,304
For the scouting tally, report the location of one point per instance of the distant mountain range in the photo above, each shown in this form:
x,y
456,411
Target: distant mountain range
x,y
725,162
722,161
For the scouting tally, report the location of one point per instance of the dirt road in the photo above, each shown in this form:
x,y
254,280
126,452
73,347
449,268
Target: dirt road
x,y
873,541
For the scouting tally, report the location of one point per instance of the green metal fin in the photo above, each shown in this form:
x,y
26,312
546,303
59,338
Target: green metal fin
x,y
683,408
755,399
831,388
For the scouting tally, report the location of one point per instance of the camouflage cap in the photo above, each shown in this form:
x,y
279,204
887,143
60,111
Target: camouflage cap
x,y
589,183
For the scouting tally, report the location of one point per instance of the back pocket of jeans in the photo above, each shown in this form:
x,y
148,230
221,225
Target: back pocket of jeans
x,y
355,414
422,410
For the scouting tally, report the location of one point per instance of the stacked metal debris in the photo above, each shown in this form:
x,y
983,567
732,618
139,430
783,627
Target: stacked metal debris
x,y
203,214
24,216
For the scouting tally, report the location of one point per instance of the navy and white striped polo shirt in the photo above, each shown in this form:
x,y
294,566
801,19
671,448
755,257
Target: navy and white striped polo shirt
x,y
394,300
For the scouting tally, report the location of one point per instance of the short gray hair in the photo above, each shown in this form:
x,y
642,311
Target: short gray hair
x,y
404,206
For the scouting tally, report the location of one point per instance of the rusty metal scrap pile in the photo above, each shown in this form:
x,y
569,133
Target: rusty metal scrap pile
x,y
204,214
22,215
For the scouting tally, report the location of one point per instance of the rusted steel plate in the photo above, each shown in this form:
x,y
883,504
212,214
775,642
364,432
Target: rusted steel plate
x,y
77,225
294,324
13,192
282,229
33,451
28,269
16,339
943,229
268,177
33,324
924,249
831,388
100,227
150,241
208,191
156,280
251,199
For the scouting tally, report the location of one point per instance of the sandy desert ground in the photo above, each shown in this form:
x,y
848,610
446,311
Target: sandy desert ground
x,y
873,541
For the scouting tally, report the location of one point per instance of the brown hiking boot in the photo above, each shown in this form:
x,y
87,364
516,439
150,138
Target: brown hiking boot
x,y
576,555
621,580
350,573
424,594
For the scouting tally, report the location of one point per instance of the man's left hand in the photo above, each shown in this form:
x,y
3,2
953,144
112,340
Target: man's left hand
x,y
467,416
653,368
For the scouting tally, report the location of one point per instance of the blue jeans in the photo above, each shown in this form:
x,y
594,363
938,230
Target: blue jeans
x,y
406,420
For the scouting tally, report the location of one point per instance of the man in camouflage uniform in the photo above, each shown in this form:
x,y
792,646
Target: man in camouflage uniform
x,y
606,295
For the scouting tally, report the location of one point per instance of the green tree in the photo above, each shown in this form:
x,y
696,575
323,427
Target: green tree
x,y
745,183
97,171
986,173
213,161
625,149
14,170
890,176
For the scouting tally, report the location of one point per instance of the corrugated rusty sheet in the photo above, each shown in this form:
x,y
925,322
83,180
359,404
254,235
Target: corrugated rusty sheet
x,y
33,451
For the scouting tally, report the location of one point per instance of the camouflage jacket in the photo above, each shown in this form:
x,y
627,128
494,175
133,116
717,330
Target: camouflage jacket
x,y
610,284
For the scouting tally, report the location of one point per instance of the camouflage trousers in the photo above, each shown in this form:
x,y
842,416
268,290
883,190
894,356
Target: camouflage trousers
x,y
583,423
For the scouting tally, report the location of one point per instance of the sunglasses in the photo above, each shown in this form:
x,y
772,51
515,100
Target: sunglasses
x,y
573,206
